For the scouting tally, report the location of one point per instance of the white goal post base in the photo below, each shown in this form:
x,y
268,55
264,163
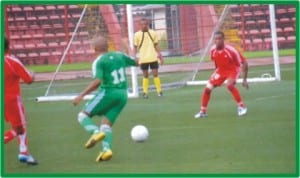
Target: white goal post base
x,y
250,80
71,97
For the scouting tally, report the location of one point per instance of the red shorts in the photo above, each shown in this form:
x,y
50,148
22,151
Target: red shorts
x,y
218,77
14,111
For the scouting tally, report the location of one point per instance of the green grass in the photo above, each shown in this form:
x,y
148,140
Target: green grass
x,y
170,60
261,142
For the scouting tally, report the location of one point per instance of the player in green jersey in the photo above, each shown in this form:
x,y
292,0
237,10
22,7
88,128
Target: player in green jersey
x,y
111,84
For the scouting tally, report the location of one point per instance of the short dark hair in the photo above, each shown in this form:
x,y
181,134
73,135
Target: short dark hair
x,y
6,44
219,33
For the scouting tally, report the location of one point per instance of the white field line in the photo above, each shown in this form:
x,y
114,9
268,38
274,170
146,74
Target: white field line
x,y
274,96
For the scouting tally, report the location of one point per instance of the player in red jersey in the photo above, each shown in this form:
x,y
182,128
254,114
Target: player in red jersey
x,y
14,110
228,63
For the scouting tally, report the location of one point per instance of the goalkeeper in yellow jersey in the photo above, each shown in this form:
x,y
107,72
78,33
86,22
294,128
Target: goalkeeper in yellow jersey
x,y
146,45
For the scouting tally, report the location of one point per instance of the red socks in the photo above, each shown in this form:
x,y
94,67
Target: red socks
x,y
205,99
236,95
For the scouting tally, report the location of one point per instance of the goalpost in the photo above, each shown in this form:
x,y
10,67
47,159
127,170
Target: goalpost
x,y
132,93
265,77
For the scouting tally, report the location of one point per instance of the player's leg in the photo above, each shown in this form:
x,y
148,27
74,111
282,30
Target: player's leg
x,y
85,119
154,67
9,115
231,81
106,125
9,136
145,68
215,80
18,123
106,152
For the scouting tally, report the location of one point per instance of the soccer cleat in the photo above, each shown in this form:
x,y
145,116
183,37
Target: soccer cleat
x,y
242,111
104,156
200,114
145,96
160,94
24,158
97,137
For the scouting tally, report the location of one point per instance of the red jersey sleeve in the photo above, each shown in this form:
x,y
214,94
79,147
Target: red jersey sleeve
x,y
212,50
20,70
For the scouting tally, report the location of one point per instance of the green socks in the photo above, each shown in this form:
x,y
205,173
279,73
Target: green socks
x,y
87,123
107,142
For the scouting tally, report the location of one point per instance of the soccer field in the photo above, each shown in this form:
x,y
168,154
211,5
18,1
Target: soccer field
x,y
263,141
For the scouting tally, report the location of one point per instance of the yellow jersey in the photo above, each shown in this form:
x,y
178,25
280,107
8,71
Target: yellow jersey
x,y
145,41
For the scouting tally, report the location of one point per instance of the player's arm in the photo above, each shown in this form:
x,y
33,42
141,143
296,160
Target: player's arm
x,y
97,75
245,73
136,42
91,87
159,56
26,75
155,41
130,61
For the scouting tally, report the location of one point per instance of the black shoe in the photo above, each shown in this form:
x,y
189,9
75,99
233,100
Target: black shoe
x,y
145,96
160,94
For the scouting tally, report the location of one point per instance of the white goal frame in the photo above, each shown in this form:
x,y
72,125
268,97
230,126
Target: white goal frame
x,y
277,76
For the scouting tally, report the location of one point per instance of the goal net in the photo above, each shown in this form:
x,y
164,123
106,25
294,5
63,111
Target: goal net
x,y
84,23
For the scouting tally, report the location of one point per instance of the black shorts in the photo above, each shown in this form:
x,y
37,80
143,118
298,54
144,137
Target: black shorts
x,y
152,65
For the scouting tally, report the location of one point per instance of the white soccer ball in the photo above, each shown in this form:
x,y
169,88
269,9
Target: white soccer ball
x,y
139,133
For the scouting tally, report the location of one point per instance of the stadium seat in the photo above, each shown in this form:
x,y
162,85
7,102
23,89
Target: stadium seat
x,y
58,26
27,8
50,7
53,44
43,17
73,7
291,38
77,16
41,45
37,35
60,6
281,11
45,54
21,55
10,19
33,18
49,35
60,35
20,18
29,46
54,17
33,55
63,43
288,29
26,36
253,32
39,8
14,37
266,30
18,46
291,9
84,33
16,9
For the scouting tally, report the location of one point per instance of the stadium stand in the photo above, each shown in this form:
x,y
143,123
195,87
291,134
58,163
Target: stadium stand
x,y
39,33
257,30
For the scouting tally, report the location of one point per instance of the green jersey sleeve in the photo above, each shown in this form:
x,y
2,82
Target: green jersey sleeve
x,y
128,60
97,69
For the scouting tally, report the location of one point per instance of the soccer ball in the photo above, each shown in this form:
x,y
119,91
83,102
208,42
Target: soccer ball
x,y
139,133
